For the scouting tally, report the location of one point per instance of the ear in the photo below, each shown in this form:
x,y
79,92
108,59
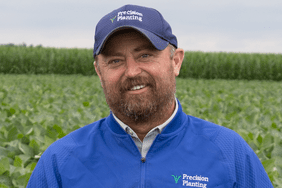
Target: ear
x,y
98,71
177,60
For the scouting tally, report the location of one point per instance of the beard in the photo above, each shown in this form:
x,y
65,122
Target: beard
x,y
143,107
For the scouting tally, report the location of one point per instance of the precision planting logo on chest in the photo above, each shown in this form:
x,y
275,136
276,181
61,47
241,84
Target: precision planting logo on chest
x,y
128,15
192,181
176,178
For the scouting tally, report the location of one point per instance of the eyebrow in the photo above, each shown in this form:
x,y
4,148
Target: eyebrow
x,y
137,49
114,54
145,47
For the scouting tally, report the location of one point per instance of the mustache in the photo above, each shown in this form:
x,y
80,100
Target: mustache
x,y
140,80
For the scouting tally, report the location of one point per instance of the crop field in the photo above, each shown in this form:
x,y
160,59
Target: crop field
x,y
36,110
203,65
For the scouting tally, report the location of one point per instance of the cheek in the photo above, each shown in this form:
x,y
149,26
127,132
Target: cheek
x,y
112,80
165,70
162,76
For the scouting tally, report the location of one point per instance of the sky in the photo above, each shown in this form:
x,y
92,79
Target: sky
x,y
243,26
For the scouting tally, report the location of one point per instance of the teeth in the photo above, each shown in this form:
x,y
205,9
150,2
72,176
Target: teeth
x,y
137,87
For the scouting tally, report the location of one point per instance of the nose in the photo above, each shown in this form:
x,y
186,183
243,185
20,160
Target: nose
x,y
132,68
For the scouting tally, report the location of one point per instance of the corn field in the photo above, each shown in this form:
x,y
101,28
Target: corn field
x,y
205,65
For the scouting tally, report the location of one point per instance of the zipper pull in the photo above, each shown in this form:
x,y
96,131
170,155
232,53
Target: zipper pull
x,y
143,159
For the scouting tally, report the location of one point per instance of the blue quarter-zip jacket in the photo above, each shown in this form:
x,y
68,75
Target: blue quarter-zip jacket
x,y
189,152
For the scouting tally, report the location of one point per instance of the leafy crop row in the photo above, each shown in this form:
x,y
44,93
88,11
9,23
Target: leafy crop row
x,y
36,110
39,60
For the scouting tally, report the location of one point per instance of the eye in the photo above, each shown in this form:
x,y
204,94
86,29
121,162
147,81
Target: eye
x,y
145,55
114,61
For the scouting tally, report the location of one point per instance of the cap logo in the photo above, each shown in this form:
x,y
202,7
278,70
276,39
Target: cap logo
x,y
128,15
113,19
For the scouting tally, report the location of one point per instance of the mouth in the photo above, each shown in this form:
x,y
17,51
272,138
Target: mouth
x,y
138,87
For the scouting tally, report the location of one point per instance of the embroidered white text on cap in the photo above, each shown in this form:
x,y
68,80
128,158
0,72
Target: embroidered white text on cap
x,y
129,15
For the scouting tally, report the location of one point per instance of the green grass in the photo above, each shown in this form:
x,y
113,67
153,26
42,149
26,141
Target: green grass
x,y
36,110
39,60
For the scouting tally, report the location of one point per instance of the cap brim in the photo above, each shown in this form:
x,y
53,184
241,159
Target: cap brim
x,y
158,42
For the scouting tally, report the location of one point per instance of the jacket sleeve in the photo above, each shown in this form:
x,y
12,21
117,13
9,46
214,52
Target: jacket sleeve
x,y
245,168
255,174
46,173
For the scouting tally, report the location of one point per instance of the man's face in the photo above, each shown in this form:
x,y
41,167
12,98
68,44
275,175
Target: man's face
x,y
138,80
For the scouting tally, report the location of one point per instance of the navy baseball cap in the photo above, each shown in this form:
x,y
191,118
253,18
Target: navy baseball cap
x,y
146,20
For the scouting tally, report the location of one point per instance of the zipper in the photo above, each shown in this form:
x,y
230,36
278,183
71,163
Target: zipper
x,y
143,160
143,163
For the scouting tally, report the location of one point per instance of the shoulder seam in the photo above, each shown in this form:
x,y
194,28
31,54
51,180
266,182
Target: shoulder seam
x,y
223,153
71,150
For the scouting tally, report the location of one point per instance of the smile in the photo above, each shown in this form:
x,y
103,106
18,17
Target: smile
x,y
137,87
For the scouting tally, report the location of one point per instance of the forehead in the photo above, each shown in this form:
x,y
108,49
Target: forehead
x,y
124,38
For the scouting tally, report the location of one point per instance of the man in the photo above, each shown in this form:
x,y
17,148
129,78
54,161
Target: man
x,y
147,140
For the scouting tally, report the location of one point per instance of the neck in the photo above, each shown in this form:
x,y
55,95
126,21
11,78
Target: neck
x,y
142,128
